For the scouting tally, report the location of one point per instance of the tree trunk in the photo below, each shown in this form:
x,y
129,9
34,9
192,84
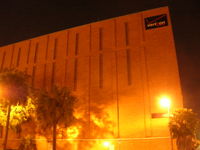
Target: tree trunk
x,y
7,127
185,143
54,136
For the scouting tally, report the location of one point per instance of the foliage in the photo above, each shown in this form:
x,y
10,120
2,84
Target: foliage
x,y
54,108
14,90
27,143
183,127
18,114
14,86
2,115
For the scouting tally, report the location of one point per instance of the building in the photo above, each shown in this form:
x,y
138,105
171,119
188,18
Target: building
x,y
119,68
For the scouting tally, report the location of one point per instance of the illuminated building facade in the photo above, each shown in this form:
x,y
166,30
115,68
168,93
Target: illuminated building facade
x,y
118,68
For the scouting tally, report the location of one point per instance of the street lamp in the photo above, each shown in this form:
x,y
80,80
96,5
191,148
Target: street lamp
x,y
165,102
108,145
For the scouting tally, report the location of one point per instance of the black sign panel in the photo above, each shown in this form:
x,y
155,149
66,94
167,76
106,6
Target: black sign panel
x,y
159,115
156,21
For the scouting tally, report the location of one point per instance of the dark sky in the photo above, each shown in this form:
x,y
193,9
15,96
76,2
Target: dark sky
x,y
24,19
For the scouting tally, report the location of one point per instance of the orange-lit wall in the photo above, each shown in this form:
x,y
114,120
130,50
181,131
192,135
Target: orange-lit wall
x,y
116,67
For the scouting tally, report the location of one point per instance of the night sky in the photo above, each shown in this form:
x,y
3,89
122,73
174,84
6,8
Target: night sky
x,y
24,19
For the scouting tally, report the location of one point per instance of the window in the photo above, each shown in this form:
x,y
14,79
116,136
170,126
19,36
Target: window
x,y
76,44
101,71
55,49
36,52
100,39
3,60
75,73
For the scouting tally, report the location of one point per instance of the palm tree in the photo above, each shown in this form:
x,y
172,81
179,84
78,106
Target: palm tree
x,y
54,108
183,127
18,116
14,90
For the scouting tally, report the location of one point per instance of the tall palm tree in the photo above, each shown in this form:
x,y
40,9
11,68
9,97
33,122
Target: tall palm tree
x,y
54,108
14,90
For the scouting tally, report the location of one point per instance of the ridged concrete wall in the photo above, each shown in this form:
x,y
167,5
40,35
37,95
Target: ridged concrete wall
x,y
116,67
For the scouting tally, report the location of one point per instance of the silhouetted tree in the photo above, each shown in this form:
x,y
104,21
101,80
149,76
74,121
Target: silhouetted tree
x,y
14,90
27,143
18,115
183,126
54,108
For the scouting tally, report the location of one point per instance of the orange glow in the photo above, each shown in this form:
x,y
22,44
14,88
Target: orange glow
x,y
73,132
1,91
97,121
2,94
165,101
78,114
106,144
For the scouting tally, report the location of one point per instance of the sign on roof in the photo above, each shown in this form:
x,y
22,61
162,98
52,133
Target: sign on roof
x,y
156,21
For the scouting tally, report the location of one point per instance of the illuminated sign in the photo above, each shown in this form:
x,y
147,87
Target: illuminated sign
x,y
156,21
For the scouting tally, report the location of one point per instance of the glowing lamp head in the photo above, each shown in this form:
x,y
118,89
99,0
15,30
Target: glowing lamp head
x,y
106,144
165,101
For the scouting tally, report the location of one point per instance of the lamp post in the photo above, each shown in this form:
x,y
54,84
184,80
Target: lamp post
x,y
165,102
108,145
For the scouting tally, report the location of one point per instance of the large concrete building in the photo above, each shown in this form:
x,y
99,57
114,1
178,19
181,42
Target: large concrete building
x,y
119,68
